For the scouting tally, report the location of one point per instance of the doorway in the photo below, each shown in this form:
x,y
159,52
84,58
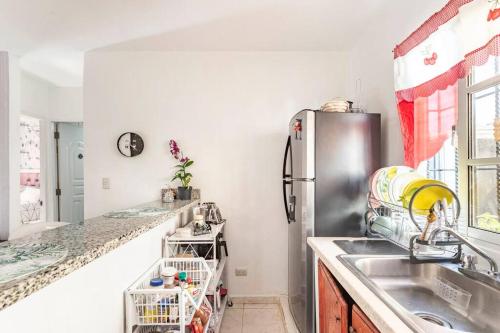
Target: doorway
x,y
31,198
69,151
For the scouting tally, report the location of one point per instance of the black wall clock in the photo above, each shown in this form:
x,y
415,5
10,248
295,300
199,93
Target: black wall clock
x,y
130,144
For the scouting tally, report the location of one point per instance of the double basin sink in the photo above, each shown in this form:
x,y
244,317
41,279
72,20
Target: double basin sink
x,y
428,297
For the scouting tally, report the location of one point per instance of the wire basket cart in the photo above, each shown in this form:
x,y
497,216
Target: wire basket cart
x,y
171,308
212,247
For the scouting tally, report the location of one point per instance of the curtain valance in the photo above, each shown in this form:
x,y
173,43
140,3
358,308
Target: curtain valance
x,y
428,64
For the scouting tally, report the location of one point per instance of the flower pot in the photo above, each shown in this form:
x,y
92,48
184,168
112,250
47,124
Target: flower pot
x,y
184,193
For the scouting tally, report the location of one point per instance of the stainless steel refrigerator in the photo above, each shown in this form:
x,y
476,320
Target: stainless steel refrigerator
x,y
328,160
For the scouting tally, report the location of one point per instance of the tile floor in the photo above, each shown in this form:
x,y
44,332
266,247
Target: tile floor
x,y
253,318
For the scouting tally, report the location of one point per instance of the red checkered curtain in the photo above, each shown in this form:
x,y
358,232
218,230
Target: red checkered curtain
x,y
428,65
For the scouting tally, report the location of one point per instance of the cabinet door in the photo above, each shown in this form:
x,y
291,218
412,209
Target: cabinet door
x,y
361,323
333,314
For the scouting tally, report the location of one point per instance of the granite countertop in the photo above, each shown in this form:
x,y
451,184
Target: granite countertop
x,y
383,317
79,244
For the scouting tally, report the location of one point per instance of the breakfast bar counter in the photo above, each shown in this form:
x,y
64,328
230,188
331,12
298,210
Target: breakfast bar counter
x,y
54,254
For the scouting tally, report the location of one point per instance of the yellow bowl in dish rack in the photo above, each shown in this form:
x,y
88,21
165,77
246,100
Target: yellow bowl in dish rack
x,y
427,197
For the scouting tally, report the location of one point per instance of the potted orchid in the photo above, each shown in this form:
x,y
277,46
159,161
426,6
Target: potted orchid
x,y
184,191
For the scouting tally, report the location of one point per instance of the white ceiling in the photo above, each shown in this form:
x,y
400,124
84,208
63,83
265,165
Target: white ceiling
x,y
52,35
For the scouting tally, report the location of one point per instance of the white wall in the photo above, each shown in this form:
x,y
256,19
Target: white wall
x,y
4,146
371,61
14,149
35,94
229,112
41,99
66,104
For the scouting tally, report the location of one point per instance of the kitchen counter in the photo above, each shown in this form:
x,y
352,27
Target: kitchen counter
x,y
81,244
383,317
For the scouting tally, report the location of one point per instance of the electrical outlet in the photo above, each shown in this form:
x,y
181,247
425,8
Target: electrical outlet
x,y
106,183
240,272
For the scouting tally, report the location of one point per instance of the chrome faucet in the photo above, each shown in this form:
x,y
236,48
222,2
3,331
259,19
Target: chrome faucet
x,y
491,277
450,231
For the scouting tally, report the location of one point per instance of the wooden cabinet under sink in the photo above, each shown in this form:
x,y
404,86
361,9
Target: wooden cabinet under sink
x,y
333,309
360,322
337,311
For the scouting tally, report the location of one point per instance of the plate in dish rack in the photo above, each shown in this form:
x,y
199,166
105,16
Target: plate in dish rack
x,y
373,183
20,260
136,212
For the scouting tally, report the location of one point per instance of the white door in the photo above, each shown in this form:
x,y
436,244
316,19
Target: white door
x,y
71,156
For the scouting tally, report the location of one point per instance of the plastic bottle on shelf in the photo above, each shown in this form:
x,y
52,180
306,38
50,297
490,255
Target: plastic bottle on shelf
x,y
152,309
173,314
182,280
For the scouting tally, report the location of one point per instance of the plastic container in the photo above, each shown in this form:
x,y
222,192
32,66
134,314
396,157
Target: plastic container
x,y
168,275
198,220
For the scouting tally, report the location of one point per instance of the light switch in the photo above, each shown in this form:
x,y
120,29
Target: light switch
x,y
106,183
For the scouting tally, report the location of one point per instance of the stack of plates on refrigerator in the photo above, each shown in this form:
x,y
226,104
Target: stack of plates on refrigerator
x,y
336,105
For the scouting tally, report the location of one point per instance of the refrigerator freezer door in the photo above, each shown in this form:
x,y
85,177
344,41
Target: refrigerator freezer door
x,y
300,257
302,134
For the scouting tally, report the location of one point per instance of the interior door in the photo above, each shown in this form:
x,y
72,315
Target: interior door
x,y
71,155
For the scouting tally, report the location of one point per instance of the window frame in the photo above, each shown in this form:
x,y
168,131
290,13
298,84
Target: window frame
x,y
466,88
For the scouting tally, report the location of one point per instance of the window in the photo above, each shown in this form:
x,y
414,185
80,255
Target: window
x,y
439,108
443,166
479,149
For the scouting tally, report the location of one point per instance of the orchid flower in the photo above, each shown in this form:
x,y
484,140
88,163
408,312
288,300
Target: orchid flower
x,y
181,174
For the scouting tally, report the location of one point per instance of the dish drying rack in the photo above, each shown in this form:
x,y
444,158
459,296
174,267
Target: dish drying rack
x,y
405,227
171,308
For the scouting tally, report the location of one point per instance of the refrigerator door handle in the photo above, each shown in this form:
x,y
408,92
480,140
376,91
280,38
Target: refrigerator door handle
x,y
285,184
286,177
288,148
302,179
292,208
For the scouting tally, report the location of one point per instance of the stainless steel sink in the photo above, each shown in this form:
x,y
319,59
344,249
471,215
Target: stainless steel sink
x,y
370,246
429,297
